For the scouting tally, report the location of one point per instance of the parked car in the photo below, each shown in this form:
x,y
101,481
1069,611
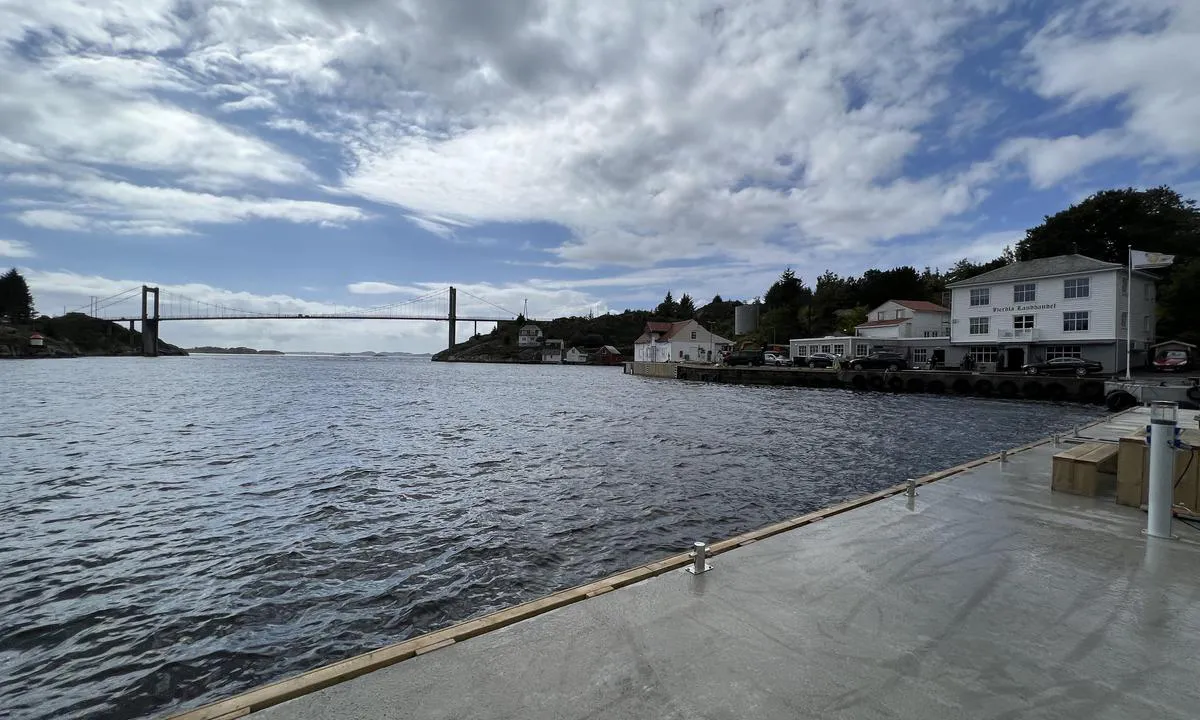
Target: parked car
x,y
745,357
1078,366
880,361
818,360
775,359
1172,361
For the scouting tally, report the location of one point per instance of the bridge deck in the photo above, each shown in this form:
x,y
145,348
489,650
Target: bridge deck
x,y
987,596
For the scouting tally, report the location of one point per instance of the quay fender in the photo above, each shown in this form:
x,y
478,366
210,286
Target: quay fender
x,y
1008,388
859,382
875,382
936,387
895,383
962,386
1118,400
1032,390
983,387
1055,391
915,385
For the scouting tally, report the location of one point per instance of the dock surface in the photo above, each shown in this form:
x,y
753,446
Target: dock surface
x,y
985,596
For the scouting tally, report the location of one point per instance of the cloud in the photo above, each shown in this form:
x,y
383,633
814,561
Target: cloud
x,y
15,249
375,288
100,204
1142,57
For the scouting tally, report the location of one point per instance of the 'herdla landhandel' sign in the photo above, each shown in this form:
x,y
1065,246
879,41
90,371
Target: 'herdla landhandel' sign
x,y
1024,308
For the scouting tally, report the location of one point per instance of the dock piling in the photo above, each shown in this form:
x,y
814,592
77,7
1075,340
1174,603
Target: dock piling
x,y
1003,457
912,488
699,555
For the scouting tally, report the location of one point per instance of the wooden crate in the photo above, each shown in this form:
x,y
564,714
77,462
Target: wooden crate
x,y
1133,470
1089,469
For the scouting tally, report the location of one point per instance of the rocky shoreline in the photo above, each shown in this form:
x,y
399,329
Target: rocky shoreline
x,y
74,335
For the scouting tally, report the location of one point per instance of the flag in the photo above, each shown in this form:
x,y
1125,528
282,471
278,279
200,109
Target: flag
x,y
1138,258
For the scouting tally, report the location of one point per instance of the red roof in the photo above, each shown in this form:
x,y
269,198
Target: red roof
x,y
666,330
36,336
921,305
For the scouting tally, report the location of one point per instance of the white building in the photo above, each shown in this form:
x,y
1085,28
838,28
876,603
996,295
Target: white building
x,y
906,319
552,351
1063,306
529,336
682,341
575,356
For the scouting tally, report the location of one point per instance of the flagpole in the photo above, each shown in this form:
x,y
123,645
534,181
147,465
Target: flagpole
x,y
1129,314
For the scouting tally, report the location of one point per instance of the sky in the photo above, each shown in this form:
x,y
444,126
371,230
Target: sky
x,y
303,155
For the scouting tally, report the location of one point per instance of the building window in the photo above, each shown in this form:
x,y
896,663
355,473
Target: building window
x,y
1064,351
693,334
979,326
839,350
1124,320
814,349
1075,321
1022,322
1025,292
860,350
982,296
985,353
1124,285
825,348
680,354
1146,291
920,355
1077,288
1145,323
933,333
899,314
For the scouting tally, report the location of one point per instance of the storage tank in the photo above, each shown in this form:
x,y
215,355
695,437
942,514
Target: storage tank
x,y
745,319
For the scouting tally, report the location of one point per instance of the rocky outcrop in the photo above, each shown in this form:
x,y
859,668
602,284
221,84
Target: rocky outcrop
x,y
74,335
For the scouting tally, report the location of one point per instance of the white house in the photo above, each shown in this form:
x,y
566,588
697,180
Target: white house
x,y
678,342
529,336
575,356
906,319
552,351
1063,306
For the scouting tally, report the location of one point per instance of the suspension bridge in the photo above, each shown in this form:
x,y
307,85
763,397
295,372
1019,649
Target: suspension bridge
x,y
151,305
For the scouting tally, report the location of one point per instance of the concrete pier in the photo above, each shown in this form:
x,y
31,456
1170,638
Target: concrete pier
x,y
984,595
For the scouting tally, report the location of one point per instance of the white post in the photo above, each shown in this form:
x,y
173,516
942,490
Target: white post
x,y
1162,462
1129,315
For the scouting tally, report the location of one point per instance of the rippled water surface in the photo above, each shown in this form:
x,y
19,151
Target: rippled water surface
x,y
180,529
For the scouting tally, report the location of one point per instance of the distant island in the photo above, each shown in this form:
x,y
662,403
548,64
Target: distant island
x,y
210,350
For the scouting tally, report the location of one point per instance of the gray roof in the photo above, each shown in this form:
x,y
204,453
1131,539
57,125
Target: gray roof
x,y
1041,267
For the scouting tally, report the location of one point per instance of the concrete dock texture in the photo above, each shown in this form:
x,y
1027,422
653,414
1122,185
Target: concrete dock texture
x,y
984,596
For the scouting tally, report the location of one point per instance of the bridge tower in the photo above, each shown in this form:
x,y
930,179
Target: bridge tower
x,y
149,323
453,317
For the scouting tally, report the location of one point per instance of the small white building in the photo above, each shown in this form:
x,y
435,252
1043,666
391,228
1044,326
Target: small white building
x,y
575,356
1062,306
529,336
552,351
682,341
896,319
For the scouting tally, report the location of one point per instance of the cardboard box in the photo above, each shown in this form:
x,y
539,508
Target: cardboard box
x,y
1089,469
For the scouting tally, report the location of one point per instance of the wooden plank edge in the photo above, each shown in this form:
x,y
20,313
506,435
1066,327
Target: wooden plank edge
x,y
320,678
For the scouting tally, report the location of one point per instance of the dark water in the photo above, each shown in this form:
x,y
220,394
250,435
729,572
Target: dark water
x,y
180,529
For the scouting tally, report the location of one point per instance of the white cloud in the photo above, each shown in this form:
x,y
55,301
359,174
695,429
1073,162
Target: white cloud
x,y
1145,57
100,204
52,220
375,288
15,249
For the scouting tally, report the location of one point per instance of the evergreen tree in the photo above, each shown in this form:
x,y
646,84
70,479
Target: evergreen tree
x,y
16,302
687,307
668,309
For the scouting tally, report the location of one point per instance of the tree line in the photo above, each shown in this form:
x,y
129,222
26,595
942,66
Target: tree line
x,y
1103,226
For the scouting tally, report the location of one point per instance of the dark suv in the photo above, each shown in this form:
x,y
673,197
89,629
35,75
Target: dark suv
x,y
745,357
880,361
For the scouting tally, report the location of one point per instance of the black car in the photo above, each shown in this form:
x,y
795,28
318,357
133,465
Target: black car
x,y
880,361
1077,366
745,357
817,360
